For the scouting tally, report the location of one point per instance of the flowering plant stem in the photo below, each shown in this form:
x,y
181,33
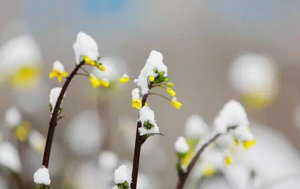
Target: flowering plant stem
x,y
55,114
184,175
137,149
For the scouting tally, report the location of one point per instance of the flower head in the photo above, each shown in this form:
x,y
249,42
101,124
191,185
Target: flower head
x,y
135,98
124,79
41,176
181,146
85,47
121,177
147,118
174,102
58,71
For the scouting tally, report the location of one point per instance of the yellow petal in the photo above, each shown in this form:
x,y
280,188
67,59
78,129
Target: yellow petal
x,y
151,78
176,103
104,83
52,74
94,81
137,103
236,142
124,79
248,144
171,91
88,61
170,84
228,160
22,131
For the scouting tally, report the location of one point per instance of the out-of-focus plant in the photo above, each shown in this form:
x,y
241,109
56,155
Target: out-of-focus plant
x,y
254,76
231,121
153,75
86,54
20,60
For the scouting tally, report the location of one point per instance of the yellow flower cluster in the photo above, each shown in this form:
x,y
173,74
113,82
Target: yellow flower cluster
x,y
91,62
98,82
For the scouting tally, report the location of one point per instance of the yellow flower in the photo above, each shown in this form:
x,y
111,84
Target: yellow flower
x,y
228,160
104,83
22,131
58,71
209,170
58,74
151,78
101,67
176,103
94,81
124,79
137,103
171,91
249,143
89,61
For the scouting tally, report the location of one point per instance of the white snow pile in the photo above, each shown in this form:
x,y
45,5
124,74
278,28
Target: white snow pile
x,y
121,175
57,65
41,176
154,62
135,94
85,45
147,115
54,94
181,145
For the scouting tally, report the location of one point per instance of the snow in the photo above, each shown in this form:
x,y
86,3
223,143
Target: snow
x,y
243,133
41,176
147,115
125,76
58,66
120,175
195,127
181,145
36,140
108,160
9,157
232,114
154,61
85,45
12,117
135,94
54,94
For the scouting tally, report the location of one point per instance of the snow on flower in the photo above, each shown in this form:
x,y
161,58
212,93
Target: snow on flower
x,y
181,145
12,117
85,45
195,127
54,94
154,65
9,157
135,98
108,160
41,176
149,125
232,114
124,79
58,71
121,175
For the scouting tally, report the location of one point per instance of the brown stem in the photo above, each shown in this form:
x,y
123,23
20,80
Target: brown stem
x,y
137,150
53,121
184,175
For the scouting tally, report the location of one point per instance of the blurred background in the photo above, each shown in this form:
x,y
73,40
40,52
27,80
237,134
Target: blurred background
x,y
215,51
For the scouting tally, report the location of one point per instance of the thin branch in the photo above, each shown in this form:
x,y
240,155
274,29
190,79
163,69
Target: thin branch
x,y
82,68
184,175
82,74
137,148
55,114
162,96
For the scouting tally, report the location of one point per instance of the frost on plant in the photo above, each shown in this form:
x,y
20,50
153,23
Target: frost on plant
x,y
121,178
41,177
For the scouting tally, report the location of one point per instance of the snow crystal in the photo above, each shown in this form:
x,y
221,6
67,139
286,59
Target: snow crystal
x,y
181,145
243,133
58,66
120,175
85,45
154,62
12,117
108,160
135,94
9,157
195,127
54,93
232,114
41,176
